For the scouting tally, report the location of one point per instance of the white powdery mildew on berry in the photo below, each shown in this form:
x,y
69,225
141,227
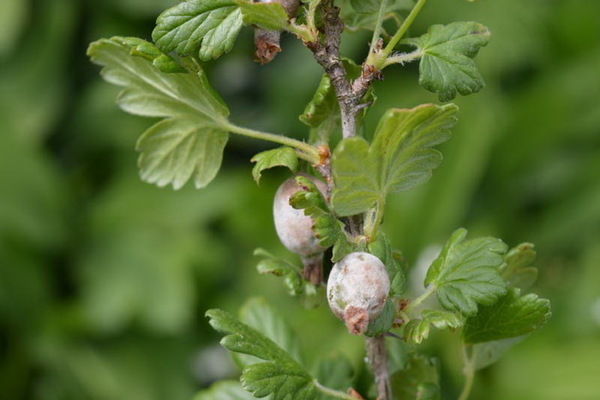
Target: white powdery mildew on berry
x,y
357,289
293,227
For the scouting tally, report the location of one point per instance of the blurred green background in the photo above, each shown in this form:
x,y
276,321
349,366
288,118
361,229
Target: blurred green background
x,y
104,280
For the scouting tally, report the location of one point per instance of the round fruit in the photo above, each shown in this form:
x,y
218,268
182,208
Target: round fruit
x,y
293,227
357,289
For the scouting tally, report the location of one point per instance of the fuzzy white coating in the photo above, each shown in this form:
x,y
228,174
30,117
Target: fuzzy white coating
x,y
293,227
358,284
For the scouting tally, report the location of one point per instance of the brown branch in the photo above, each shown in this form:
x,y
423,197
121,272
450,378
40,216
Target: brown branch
x,y
377,357
349,94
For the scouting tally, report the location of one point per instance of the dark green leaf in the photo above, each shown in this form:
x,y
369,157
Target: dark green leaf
x,y
517,269
420,378
279,375
224,390
383,322
511,316
327,228
383,250
282,156
417,330
269,16
400,157
447,64
467,273
279,267
190,142
208,25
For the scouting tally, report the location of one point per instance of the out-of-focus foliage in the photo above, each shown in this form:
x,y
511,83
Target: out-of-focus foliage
x,y
104,280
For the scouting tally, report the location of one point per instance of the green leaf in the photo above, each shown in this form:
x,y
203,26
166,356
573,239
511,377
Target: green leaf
x,y
419,380
280,380
417,330
365,6
258,314
467,272
355,20
447,64
224,390
334,372
322,106
279,375
485,354
269,16
149,51
327,228
511,316
207,26
282,156
400,157
190,142
279,267
384,321
383,250
517,269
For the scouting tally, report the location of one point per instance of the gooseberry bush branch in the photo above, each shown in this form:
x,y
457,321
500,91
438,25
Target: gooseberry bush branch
x,y
477,287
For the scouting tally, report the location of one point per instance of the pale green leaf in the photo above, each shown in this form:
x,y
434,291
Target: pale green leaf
x,y
355,20
467,273
210,26
224,390
276,266
258,314
269,16
365,6
189,143
417,330
334,372
517,269
400,157
160,60
487,353
447,64
419,380
511,316
279,375
282,156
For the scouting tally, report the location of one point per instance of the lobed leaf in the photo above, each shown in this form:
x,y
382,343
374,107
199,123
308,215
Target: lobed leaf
x,y
189,143
383,322
517,269
282,156
511,316
400,157
279,375
467,273
355,19
487,353
447,64
417,330
279,267
327,228
207,26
